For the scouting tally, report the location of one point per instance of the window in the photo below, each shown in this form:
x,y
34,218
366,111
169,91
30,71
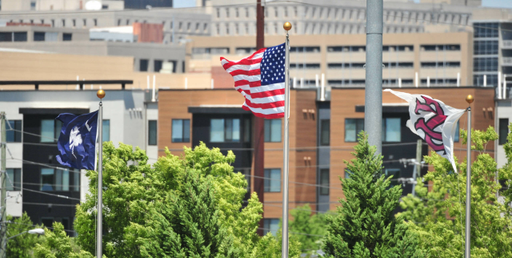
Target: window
x,y
324,181
157,65
63,23
247,130
181,130
13,130
272,130
347,173
352,127
325,130
104,6
54,179
272,180
486,47
391,130
225,130
50,130
67,36
270,226
32,6
152,132
39,36
5,36
20,36
143,65
14,181
106,130
486,64
486,30
457,133
395,173
503,129
95,22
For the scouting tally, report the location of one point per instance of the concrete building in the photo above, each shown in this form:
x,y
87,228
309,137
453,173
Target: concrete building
x,y
60,5
412,59
322,135
29,33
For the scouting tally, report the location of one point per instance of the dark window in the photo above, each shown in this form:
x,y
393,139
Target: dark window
x,y
106,130
305,49
47,222
272,130
95,22
174,64
324,181
5,36
270,226
352,127
143,65
486,47
152,132
180,130
53,179
273,180
157,65
305,66
492,79
104,7
50,130
325,131
67,36
32,5
486,64
247,130
347,173
39,36
346,49
391,129
486,30
457,133
224,130
13,130
503,131
13,183
20,36
395,173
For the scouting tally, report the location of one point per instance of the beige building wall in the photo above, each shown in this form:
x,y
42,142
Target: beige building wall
x,y
401,49
24,66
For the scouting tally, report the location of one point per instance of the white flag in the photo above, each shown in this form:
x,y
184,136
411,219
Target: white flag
x,y
433,121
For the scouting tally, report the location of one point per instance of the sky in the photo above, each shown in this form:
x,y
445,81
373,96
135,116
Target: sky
x,y
487,3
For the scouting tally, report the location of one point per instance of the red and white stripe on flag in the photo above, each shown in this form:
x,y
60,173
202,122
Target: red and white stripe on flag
x,y
260,78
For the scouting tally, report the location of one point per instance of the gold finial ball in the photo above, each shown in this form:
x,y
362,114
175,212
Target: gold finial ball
x,y
470,99
100,94
287,26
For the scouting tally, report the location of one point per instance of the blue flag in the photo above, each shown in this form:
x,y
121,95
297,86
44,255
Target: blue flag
x,y
77,140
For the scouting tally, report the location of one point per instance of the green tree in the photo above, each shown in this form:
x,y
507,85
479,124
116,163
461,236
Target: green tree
x,y
365,225
308,228
57,244
135,193
438,216
270,246
22,245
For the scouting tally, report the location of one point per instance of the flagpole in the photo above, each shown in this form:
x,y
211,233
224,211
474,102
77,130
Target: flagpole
x,y
99,226
470,100
284,249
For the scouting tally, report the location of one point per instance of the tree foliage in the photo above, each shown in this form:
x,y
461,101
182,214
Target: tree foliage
x,y
20,246
188,201
438,216
308,228
365,225
57,244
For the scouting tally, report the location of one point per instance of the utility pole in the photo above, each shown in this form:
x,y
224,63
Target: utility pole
x,y
373,91
259,122
3,202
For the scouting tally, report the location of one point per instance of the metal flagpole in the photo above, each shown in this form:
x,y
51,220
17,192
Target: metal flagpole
x,y
470,100
4,184
286,148
99,226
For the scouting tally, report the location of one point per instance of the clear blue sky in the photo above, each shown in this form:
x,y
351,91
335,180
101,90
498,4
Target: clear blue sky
x,y
488,3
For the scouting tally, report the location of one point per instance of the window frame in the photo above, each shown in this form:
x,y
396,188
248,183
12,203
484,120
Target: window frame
x,y
183,130
106,132
324,186
228,130
16,132
269,126
325,137
385,126
268,186
57,126
15,179
152,124
503,131
356,120
56,187
267,222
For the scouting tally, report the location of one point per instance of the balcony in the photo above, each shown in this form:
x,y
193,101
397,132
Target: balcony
x,y
507,44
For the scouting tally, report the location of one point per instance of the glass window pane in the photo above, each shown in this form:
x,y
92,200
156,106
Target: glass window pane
x,y
395,173
267,130
65,180
274,226
275,134
324,182
350,130
106,130
47,179
275,180
58,180
457,133
266,187
76,181
236,130
47,133
247,130
152,132
360,125
9,185
228,133
392,130
186,130
58,127
177,130
217,130
9,128
325,132
503,131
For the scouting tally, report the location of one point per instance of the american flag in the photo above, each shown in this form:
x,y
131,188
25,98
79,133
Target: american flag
x,y
260,79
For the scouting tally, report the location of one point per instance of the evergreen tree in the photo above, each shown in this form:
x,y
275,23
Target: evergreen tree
x,y
57,244
364,225
308,227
